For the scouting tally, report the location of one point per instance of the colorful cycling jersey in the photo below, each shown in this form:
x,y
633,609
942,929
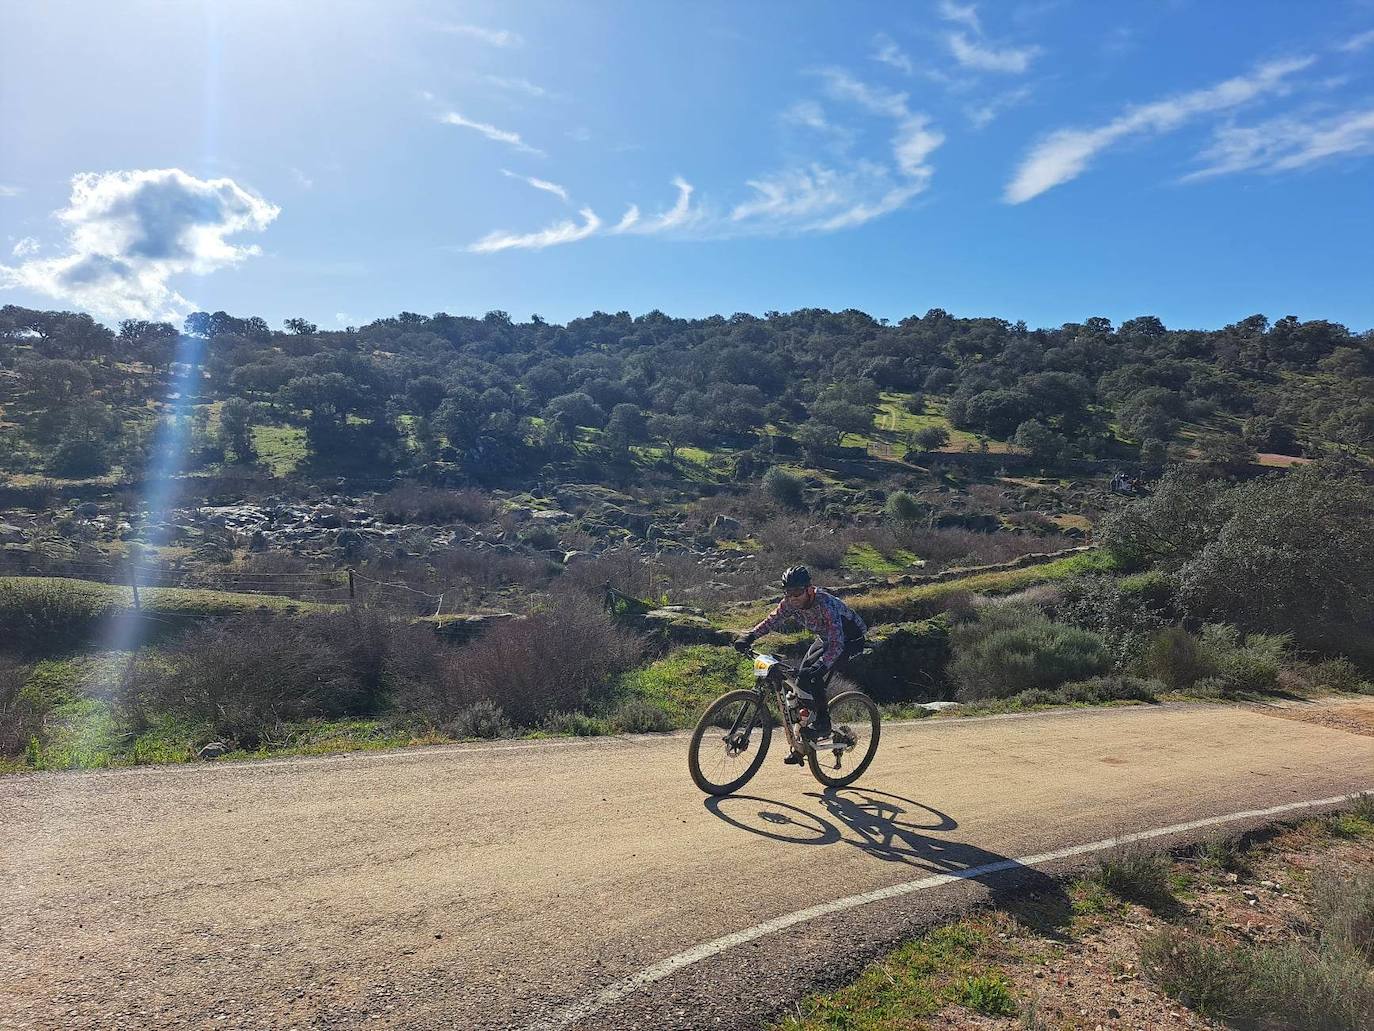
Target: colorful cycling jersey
x,y
827,617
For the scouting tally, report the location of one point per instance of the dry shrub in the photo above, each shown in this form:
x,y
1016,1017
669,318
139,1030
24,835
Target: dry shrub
x,y
272,562
247,675
414,503
559,660
959,547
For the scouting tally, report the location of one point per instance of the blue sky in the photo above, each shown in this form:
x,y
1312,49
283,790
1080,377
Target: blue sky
x,y
1044,160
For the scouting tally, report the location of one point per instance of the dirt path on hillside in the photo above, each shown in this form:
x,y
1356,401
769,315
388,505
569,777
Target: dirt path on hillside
x,y
496,885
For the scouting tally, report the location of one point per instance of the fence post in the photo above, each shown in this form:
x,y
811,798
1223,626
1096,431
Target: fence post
x,y
350,585
133,582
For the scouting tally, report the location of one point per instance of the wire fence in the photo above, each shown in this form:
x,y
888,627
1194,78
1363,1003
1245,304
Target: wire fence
x,y
324,586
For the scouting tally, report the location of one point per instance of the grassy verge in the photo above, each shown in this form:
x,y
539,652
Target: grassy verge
x,y
903,604
1273,931
686,680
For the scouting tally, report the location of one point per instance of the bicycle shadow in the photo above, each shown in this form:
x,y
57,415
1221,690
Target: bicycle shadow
x,y
894,829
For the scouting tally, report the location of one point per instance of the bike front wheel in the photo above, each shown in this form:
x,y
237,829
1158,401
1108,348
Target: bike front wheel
x,y
730,742
857,725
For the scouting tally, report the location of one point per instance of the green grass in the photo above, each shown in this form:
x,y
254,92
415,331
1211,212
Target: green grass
x,y
281,448
686,680
946,966
867,559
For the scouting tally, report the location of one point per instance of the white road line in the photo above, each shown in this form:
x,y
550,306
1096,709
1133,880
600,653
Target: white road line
x,y
624,988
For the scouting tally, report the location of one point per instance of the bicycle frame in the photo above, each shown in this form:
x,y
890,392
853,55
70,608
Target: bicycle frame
x,y
770,671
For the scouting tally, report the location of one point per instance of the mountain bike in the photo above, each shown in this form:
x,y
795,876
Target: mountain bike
x,y
732,737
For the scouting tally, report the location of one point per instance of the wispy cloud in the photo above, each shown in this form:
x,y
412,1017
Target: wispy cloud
x,y
678,216
1355,44
25,247
973,54
539,184
1287,144
889,53
492,37
961,14
559,232
982,115
130,232
1066,153
10,191
517,85
913,140
491,132
813,196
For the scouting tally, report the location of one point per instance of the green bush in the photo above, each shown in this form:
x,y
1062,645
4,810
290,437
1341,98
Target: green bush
x,y
577,724
1138,876
783,487
41,615
1016,648
637,716
1112,689
80,458
1179,659
1245,666
902,507
1340,674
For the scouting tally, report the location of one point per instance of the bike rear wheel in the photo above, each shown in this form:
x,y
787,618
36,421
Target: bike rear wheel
x,y
730,742
857,725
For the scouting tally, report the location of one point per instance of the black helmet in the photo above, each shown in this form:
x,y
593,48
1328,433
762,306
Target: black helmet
x,y
797,576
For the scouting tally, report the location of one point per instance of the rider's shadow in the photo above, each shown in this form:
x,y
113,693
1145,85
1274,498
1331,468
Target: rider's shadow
x,y
894,829
898,830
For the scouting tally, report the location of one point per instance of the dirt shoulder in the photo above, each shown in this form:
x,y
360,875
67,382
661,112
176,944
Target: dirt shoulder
x,y
1118,947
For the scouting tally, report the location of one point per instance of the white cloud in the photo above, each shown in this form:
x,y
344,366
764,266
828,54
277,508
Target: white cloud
x,y
493,37
517,85
963,14
25,247
1287,144
131,232
813,196
10,191
559,232
539,184
981,116
679,215
1065,154
1355,44
807,113
972,54
303,180
889,53
842,85
491,132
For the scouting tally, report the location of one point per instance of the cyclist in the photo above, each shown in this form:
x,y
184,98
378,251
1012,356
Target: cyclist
x,y
839,634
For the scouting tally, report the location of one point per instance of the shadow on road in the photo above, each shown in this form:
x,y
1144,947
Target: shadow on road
x,y
899,830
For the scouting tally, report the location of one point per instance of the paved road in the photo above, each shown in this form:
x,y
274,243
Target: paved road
x,y
498,885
